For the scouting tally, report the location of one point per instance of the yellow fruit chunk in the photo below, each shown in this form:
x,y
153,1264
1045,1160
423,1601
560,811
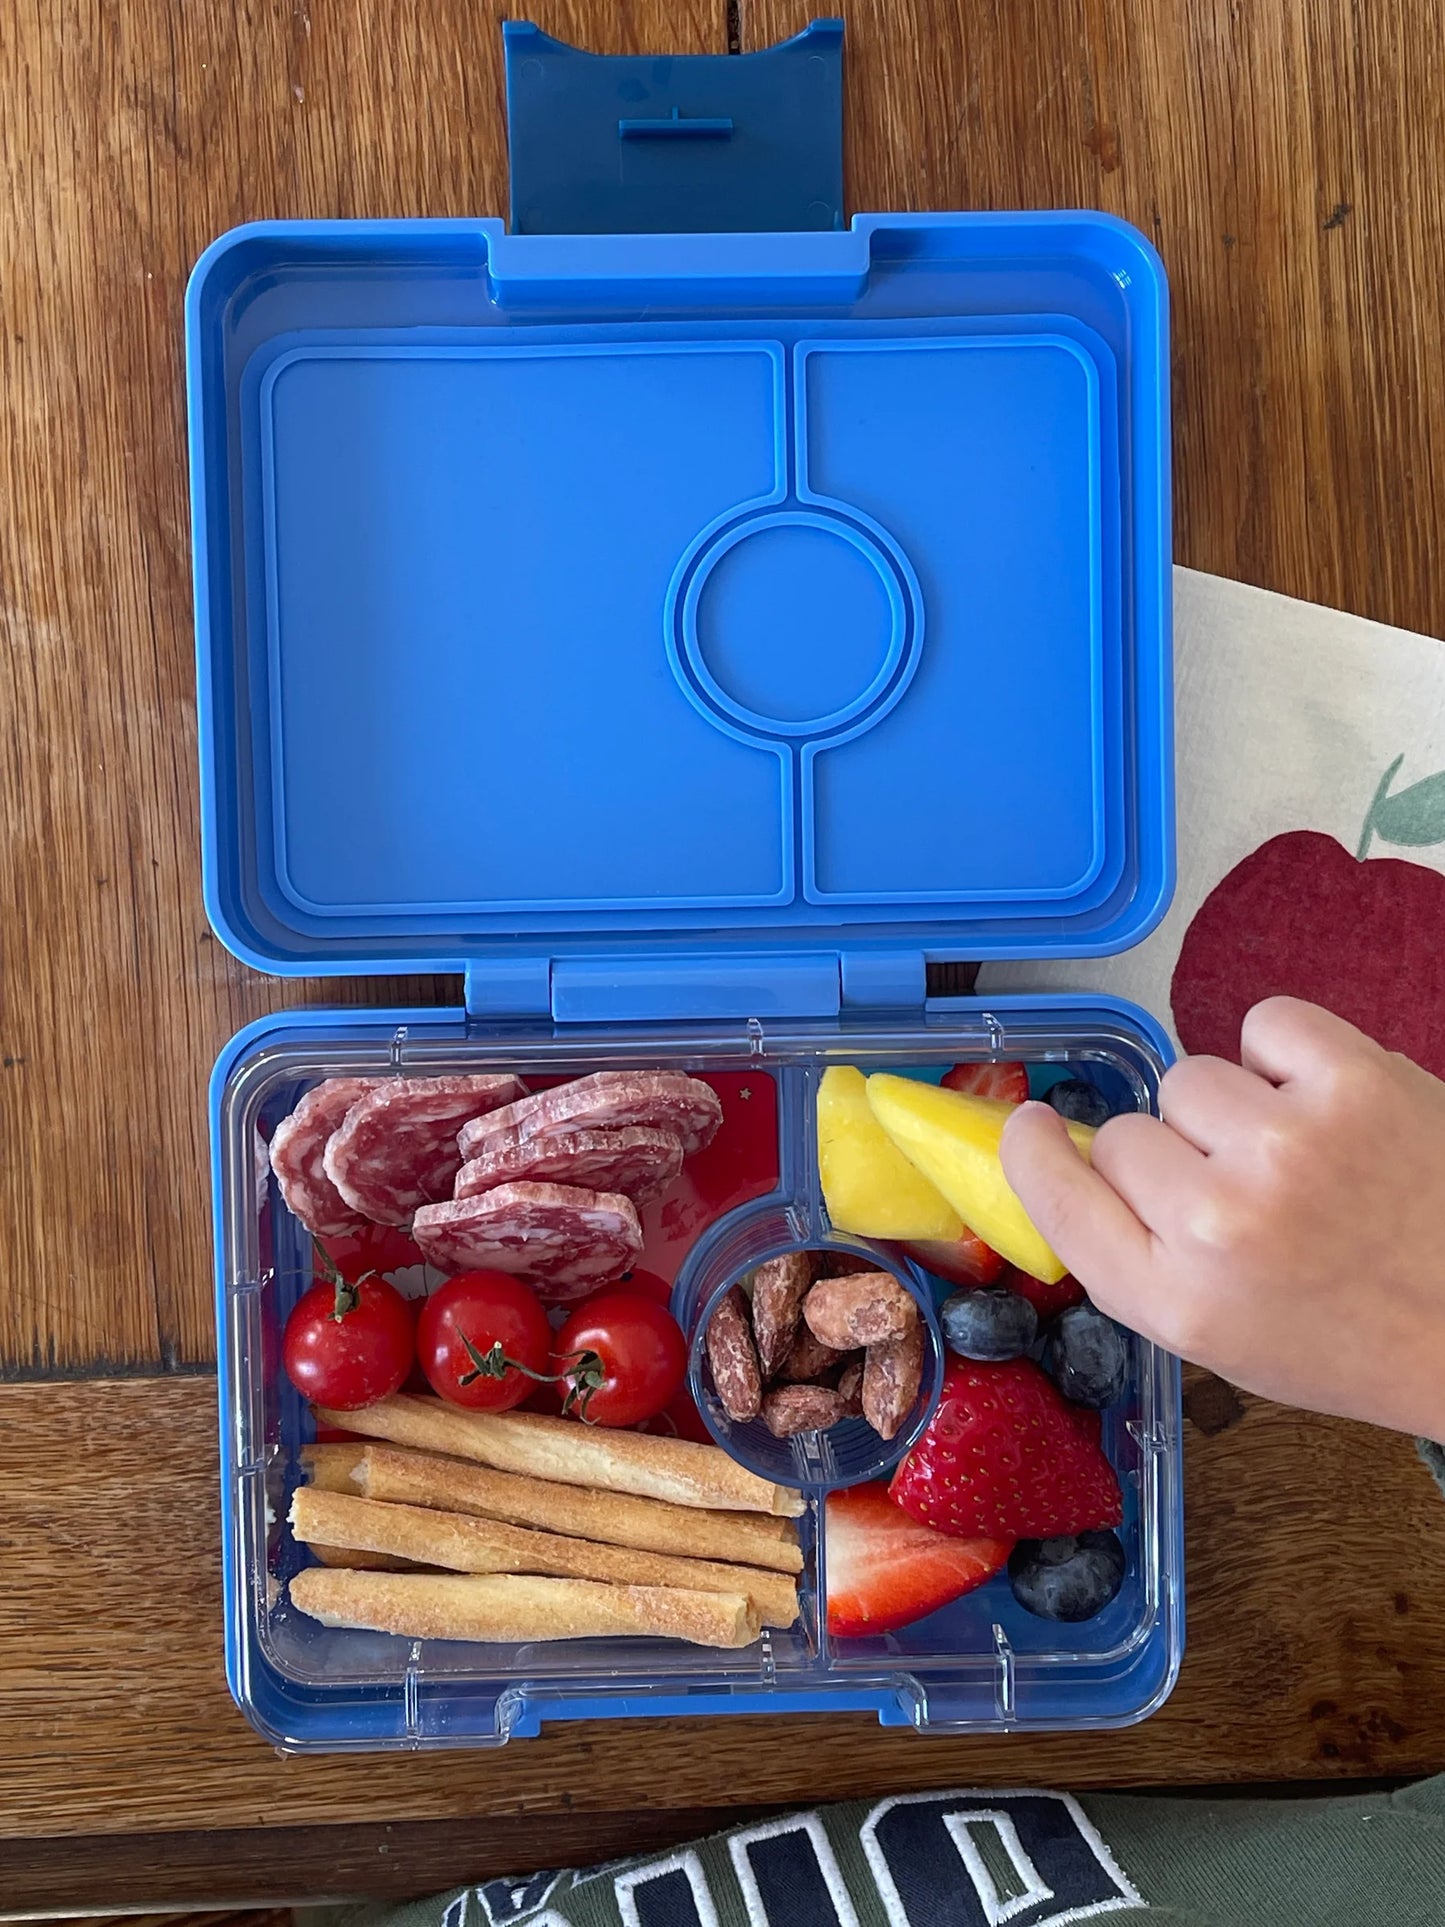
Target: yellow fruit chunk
x,y
869,1187
954,1141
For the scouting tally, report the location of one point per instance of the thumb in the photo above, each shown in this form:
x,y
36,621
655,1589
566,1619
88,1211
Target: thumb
x,y
1085,1220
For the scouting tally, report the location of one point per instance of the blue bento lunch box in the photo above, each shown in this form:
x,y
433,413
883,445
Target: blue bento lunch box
x,y
685,637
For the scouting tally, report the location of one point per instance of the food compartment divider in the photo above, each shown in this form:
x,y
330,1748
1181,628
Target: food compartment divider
x,y
978,1664
992,1663
812,1462
271,1423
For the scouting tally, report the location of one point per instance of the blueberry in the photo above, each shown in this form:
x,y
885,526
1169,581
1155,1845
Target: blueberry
x,y
991,1323
1087,1356
1067,1579
1081,1103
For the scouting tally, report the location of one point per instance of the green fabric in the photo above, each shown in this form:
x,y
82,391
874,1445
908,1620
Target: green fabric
x,y
1434,1457
981,1858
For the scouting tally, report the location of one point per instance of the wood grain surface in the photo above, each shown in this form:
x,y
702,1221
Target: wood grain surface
x,y
256,1917
131,135
1284,158
1316,1651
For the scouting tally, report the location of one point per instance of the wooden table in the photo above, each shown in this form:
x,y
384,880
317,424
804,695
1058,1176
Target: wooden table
x,y
1284,159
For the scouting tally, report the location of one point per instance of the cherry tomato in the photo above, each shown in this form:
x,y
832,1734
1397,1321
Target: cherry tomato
x,y
473,1333
373,1247
644,1284
624,1355
347,1345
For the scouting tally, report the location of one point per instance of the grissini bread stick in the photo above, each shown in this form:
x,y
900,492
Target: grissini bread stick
x,y
459,1543
560,1449
331,1468
516,1610
349,1557
614,1518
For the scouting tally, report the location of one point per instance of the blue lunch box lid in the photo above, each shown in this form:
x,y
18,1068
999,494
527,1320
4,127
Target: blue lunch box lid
x,y
658,624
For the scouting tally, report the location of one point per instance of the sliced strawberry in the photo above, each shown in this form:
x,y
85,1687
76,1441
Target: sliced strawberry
x,y
885,1570
1005,1454
962,1261
1006,1079
1047,1300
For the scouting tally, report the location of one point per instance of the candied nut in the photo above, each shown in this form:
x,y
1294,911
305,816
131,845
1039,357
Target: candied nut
x,y
850,1388
779,1288
734,1358
892,1374
860,1309
789,1409
809,1360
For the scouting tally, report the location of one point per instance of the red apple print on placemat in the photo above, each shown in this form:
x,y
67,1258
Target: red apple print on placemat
x,y
1302,917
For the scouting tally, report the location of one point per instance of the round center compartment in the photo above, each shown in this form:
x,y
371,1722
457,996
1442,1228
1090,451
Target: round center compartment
x,y
795,621
847,1451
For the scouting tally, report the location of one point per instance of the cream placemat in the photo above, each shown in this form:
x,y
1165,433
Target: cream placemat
x,y
1306,738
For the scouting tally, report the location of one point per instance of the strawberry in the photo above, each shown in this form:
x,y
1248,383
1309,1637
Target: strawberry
x,y
1005,1454
885,1570
1007,1080
1047,1300
962,1261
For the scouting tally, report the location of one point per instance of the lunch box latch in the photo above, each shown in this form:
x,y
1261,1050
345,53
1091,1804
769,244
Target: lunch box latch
x,y
679,144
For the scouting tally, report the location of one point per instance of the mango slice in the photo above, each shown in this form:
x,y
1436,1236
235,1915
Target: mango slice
x,y
953,1139
869,1187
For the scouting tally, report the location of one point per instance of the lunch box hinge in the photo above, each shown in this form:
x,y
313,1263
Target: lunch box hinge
x,y
678,986
509,987
883,979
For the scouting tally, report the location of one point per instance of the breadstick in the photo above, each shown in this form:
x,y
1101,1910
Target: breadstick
x,y
331,1468
504,1607
614,1518
677,1470
352,1560
461,1544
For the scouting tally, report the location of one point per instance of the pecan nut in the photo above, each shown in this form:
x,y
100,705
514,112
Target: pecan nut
x,y
734,1358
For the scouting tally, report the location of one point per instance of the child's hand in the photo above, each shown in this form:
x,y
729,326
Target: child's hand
x,y
1285,1224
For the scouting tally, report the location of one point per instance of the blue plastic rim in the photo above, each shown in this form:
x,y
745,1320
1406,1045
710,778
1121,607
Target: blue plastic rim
x,y
743,593
981,1664
668,630
826,606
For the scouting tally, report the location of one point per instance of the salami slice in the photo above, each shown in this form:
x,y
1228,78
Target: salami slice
x,y
298,1147
610,1100
397,1146
566,1241
636,1162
